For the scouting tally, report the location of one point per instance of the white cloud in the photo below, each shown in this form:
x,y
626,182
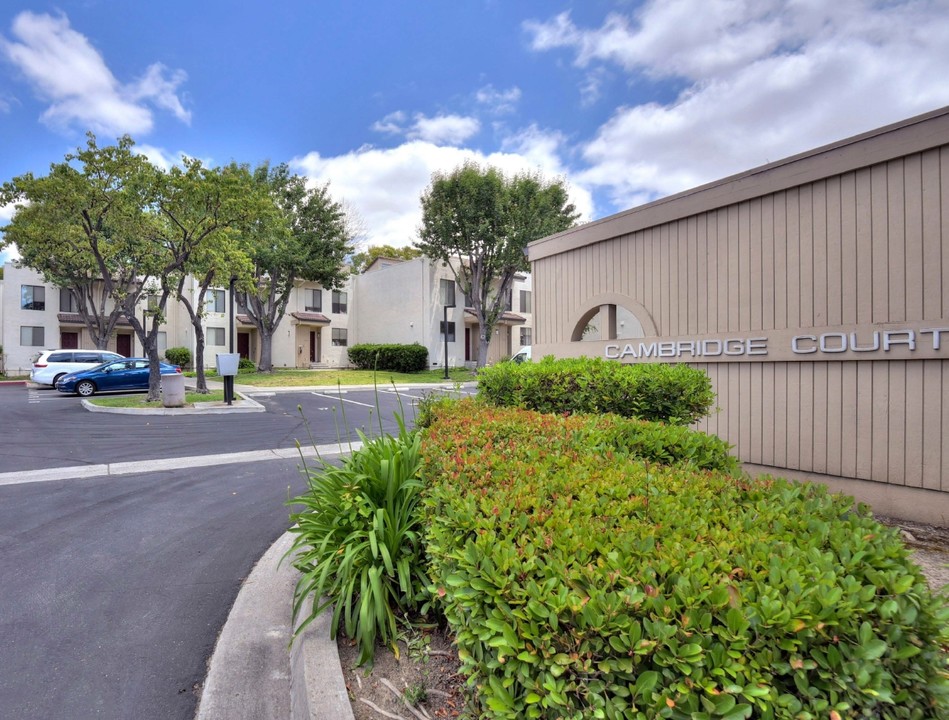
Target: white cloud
x,y
68,72
393,123
384,186
444,129
439,130
161,158
9,253
498,101
764,79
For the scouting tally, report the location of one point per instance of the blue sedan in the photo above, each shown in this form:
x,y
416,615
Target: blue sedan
x,y
124,374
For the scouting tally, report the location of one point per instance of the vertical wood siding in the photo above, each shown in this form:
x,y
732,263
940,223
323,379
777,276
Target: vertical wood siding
x,y
869,246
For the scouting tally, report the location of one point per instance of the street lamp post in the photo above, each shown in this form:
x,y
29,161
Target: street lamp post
x,y
229,379
449,301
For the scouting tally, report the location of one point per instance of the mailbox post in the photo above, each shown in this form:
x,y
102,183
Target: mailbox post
x,y
227,369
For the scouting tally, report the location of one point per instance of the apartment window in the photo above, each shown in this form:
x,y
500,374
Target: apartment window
x,y
469,303
340,338
448,292
32,297
32,336
525,301
67,301
448,328
339,303
151,302
509,301
215,336
162,343
525,337
215,301
314,300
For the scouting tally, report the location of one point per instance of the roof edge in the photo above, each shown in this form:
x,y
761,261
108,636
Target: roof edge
x,y
869,148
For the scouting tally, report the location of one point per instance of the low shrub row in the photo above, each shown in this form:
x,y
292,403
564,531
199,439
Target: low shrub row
x,y
583,582
676,394
391,357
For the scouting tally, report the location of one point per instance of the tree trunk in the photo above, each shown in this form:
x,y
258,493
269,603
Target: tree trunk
x,y
202,382
484,340
154,372
266,352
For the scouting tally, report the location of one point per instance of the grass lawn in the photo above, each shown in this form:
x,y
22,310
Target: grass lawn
x,y
14,377
331,378
139,401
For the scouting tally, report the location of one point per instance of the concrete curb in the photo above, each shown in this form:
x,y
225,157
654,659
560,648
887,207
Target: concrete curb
x,y
244,405
317,687
249,672
252,674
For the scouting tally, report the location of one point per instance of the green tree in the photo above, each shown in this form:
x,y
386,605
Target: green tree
x,y
78,227
362,260
310,241
478,222
201,213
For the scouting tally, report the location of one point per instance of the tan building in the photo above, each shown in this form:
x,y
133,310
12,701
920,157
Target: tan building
x,y
814,291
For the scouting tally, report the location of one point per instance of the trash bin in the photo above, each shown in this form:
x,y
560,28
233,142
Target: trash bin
x,y
173,390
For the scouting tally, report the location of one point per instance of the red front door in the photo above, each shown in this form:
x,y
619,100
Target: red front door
x,y
123,345
243,345
69,340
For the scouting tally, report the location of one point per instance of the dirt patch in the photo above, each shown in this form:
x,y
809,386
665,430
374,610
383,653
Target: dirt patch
x,y
428,660
423,682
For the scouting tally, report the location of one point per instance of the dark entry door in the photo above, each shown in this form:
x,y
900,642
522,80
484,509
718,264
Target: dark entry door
x,y
69,340
243,345
467,344
314,346
123,345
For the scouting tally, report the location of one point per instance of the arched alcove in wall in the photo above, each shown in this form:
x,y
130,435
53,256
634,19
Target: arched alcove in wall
x,y
612,317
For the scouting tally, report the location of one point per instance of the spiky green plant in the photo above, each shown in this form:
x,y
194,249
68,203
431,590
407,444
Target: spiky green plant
x,y
357,542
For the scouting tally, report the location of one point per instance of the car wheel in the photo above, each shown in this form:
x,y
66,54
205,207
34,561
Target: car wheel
x,y
86,388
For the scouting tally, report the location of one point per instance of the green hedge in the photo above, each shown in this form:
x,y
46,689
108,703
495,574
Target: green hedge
x,y
587,583
675,394
178,356
391,357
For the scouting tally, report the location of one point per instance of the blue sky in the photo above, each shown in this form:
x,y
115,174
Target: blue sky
x,y
627,101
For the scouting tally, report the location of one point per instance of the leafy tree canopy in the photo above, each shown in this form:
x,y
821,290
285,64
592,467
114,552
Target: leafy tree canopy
x,y
362,260
479,221
309,239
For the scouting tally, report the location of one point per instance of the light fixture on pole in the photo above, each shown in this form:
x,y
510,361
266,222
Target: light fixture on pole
x,y
449,302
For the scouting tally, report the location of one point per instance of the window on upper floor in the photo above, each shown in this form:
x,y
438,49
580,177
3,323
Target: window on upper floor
x,y
215,336
526,337
32,297
314,300
339,302
509,301
525,301
215,301
151,302
447,292
67,301
340,337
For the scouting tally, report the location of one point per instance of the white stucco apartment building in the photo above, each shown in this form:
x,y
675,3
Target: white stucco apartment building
x,y
394,301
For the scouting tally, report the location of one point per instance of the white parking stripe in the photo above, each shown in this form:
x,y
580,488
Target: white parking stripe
x,y
342,399
166,464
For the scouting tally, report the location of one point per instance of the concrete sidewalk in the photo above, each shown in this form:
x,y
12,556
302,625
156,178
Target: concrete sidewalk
x,y
254,674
